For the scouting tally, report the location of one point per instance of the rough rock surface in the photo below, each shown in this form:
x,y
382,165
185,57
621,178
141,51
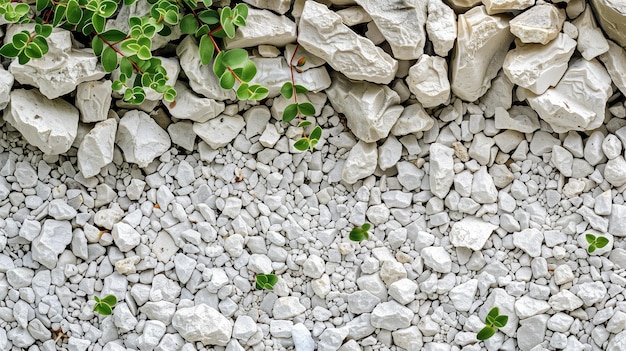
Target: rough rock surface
x,y
540,24
428,80
203,323
96,149
141,138
612,17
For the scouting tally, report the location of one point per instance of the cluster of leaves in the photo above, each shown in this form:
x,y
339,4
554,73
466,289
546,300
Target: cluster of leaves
x,y
595,242
266,281
360,233
493,322
104,305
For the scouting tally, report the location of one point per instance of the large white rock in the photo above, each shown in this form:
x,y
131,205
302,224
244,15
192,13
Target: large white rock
x,y
263,27
50,125
441,27
93,100
272,73
220,131
591,41
482,44
441,175
471,232
190,106
578,101
437,258
371,109
322,33
412,120
540,24
6,83
537,67
54,237
520,118
96,149
141,138
60,70
202,80
361,162
612,17
462,5
428,80
203,323
280,6
615,62
500,6
401,22
391,316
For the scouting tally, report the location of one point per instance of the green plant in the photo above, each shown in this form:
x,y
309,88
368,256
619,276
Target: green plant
x,y
291,90
266,281
360,233
595,242
131,51
493,322
104,305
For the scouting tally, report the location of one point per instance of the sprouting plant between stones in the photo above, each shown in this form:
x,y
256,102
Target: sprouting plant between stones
x,y
105,305
493,322
360,233
266,281
595,242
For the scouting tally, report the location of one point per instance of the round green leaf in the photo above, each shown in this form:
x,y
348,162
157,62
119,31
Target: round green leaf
x,y
287,90
42,4
301,90
9,50
501,321
206,49
601,242
169,95
317,134
209,17
33,51
110,300
235,57
98,22
97,45
485,333
97,299
227,80
243,92
272,279
229,28
241,10
103,309
21,9
207,3
22,58
41,42
249,71
590,238
117,85
74,12
306,108
366,226
302,145
107,8
113,35
109,59
290,112
126,67
59,14
144,53
188,25
171,17
259,92
218,65
21,39
591,248
355,234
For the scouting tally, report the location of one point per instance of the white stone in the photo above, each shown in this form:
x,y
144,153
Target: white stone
x,y
531,332
54,237
463,295
182,134
314,267
565,301
261,264
591,293
203,323
578,101
244,328
272,73
611,146
50,125
401,23
409,176
441,173
615,171
529,240
562,159
612,17
428,80
519,118
354,15
412,120
6,84
322,33
362,301
540,24
263,27
403,290
591,41
187,105
499,95
287,307
370,109
389,153
563,274
93,100
483,189
96,149
462,5
391,316
408,338
361,162
618,343
482,44
537,67
220,131
270,136
471,232
60,70
526,307
441,27
126,237
500,6
480,149
280,6
141,138
615,62
437,258
302,339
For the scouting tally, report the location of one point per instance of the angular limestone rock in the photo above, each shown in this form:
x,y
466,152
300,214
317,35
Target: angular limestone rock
x,y
537,67
612,17
96,149
441,175
202,80
482,44
190,106
6,83
280,6
499,6
499,95
272,73
412,120
441,27
520,118
203,323
52,240
402,24
220,131
93,100
615,62
263,27
60,70
578,101
462,5
371,110
591,41
540,24
141,138
51,125
354,15
471,232
361,162
428,80
322,33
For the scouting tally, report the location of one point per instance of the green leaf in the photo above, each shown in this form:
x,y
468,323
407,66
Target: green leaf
x,y
117,85
41,42
355,234
218,65
188,25
235,57
494,312
241,10
227,80
302,144
366,226
33,51
21,39
42,4
107,8
306,108
485,333
96,298
272,279
229,28
22,58
45,31
207,3
206,50
169,95
290,112
287,90
144,53
103,309
248,71
171,17
21,9
126,67
109,59
601,242
98,23
590,238
59,14
74,12
301,90
259,92
113,35
316,134
591,248
501,321
303,124
242,92
110,300
209,17
9,50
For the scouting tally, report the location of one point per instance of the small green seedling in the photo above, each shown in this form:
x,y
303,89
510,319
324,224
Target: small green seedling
x,y
595,242
104,305
360,233
266,281
493,322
